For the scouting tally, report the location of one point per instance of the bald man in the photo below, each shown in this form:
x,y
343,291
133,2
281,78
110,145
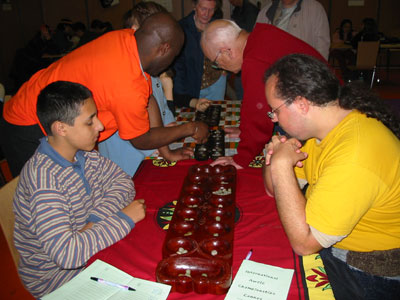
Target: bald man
x,y
116,67
234,49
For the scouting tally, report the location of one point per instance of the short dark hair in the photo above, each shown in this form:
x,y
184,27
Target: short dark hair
x,y
140,12
60,101
305,76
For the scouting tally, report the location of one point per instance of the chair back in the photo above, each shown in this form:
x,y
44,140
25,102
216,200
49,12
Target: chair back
x,y
367,54
7,217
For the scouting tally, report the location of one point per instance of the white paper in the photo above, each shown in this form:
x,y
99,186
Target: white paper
x,y
256,281
82,287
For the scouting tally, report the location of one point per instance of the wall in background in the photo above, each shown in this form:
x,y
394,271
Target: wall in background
x,y
19,25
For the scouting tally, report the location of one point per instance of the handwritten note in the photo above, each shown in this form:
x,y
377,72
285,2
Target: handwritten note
x,y
256,281
82,287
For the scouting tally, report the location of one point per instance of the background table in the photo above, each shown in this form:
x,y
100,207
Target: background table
x,y
258,228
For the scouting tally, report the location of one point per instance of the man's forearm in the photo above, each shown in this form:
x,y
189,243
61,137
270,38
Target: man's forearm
x,y
161,136
268,180
291,208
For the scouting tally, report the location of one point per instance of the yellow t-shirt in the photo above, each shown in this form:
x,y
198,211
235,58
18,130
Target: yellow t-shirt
x,y
354,184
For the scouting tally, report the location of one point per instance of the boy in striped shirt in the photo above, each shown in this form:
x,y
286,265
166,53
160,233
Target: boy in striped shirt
x,y
70,202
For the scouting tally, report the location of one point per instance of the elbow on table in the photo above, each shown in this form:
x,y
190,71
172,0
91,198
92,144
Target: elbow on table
x,y
302,251
304,248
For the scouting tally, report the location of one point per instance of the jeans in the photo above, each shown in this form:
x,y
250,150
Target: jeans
x,y
123,153
216,91
350,283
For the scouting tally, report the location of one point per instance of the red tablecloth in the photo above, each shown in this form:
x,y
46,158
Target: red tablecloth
x,y
258,228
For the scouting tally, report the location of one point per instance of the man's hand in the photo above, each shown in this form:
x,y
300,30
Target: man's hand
x,y
136,210
202,104
177,154
200,132
226,160
283,150
232,132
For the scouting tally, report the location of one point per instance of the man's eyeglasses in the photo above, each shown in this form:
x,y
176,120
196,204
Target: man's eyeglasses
x,y
272,114
215,64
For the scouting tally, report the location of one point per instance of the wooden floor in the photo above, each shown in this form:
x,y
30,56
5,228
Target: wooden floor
x,y
10,285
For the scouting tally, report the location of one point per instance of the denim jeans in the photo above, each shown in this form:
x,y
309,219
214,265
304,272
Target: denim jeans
x,y
350,283
216,91
121,152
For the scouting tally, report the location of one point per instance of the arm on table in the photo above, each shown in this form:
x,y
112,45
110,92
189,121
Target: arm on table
x,y
290,201
136,210
71,247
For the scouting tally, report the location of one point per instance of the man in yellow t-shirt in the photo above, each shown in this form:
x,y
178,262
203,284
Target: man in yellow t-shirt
x,y
351,163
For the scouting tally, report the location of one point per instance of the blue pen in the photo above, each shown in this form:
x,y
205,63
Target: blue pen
x,y
121,286
249,254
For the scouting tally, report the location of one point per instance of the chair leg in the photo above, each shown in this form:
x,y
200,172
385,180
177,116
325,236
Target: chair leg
x,y
373,78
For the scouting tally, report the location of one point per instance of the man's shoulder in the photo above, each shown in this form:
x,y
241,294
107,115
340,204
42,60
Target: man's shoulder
x,y
187,21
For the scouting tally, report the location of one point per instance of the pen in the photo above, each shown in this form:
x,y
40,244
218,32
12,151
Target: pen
x,y
249,254
121,286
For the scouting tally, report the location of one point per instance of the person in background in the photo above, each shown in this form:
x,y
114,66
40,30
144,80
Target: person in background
x,y
345,56
253,53
29,59
350,212
244,14
369,32
97,28
305,19
117,68
79,31
70,201
195,78
344,34
62,37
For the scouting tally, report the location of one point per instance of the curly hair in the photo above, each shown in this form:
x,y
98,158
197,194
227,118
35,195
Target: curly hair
x,y
305,76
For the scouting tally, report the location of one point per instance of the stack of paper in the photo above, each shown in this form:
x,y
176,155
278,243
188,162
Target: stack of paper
x,y
82,287
260,281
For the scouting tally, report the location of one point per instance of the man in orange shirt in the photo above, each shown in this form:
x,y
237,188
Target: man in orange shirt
x,y
116,67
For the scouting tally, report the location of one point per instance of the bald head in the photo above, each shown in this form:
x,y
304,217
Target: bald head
x,y
228,39
159,39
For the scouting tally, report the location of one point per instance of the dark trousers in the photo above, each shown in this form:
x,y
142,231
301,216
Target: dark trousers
x,y
351,284
18,143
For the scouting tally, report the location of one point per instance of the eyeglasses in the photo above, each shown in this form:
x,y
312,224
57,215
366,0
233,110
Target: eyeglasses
x,y
215,64
272,114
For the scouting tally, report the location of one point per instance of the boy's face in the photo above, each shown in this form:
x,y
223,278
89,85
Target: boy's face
x,y
85,131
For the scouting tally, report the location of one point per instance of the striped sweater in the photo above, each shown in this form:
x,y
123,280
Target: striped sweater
x,y
54,200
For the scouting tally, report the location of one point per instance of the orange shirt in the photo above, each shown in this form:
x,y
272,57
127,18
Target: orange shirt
x,y
110,67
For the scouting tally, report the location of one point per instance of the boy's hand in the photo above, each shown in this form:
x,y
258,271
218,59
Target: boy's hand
x,y
202,104
136,210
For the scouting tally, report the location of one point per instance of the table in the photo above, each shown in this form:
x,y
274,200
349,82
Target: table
x,y
258,228
387,47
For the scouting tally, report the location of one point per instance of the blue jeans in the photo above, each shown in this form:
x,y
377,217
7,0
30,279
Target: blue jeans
x,y
123,153
350,283
215,91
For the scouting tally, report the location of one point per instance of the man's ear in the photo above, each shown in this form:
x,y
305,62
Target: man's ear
x,y
164,49
302,103
58,128
228,52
